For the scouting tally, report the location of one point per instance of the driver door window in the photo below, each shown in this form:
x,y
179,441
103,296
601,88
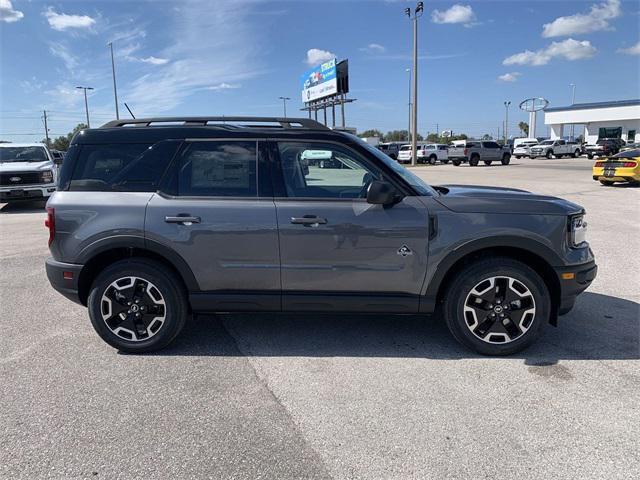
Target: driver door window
x,y
318,170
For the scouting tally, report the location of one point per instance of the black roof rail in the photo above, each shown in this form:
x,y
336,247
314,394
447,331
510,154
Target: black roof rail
x,y
203,121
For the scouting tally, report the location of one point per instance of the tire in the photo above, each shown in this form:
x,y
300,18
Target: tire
x,y
487,162
576,154
510,278
432,160
156,287
506,159
474,160
518,157
456,163
589,156
549,154
606,183
444,161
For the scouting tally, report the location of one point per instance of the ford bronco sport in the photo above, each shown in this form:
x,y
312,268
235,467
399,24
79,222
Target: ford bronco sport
x,y
156,219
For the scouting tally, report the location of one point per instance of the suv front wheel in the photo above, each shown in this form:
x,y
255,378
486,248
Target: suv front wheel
x,y
137,305
496,306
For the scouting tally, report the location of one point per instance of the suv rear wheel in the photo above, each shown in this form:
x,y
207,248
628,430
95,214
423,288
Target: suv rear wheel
x,y
506,159
474,160
433,159
496,306
137,305
549,153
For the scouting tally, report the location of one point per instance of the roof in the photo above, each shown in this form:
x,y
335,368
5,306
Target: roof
x,y
592,105
10,144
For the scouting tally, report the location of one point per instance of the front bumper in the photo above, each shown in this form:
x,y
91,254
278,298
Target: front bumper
x,y
573,281
26,192
56,273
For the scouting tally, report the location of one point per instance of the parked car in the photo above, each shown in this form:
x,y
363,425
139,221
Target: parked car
x,y
390,148
622,167
476,151
404,154
604,147
433,152
558,148
154,222
522,147
28,171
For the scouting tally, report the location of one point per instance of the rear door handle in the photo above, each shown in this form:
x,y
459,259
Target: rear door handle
x,y
308,221
184,219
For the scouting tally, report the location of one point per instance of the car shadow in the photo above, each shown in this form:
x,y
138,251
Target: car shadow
x,y
35,206
600,327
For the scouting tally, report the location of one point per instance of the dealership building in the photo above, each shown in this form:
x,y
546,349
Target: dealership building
x,y
617,119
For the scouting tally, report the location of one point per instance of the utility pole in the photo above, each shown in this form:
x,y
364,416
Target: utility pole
x,y
46,128
113,72
506,122
417,13
573,101
86,103
284,105
408,70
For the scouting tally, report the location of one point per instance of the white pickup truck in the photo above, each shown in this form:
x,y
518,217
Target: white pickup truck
x,y
28,171
557,148
427,153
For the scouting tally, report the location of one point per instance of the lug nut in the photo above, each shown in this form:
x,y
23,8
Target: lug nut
x,y
128,303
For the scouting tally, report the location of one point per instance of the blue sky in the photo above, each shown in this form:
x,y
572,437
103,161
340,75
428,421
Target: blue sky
x,y
238,57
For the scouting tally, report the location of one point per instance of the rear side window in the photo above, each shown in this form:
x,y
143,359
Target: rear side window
x,y
122,167
219,169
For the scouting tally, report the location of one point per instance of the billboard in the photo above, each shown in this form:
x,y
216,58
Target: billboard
x,y
320,81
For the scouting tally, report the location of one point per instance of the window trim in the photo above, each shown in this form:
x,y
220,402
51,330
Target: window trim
x,y
277,175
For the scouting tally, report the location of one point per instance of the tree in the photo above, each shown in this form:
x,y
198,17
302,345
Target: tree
x,y
524,128
372,133
62,143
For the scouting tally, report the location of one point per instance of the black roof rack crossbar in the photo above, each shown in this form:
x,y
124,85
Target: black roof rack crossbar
x,y
203,121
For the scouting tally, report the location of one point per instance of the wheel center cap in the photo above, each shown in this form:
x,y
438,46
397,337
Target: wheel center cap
x,y
134,308
498,309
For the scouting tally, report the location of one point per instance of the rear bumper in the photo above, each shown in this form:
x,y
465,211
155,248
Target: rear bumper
x,y
66,286
570,288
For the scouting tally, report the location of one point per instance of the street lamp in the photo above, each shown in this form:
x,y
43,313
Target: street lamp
x,y
284,104
506,122
113,72
408,70
417,13
86,104
573,100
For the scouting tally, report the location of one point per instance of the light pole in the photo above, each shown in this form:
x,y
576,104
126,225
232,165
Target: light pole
x,y
284,104
417,13
506,122
113,72
573,100
86,104
408,70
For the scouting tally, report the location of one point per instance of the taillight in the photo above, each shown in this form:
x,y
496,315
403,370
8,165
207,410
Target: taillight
x,y
466,152
629,164
50,223
599,164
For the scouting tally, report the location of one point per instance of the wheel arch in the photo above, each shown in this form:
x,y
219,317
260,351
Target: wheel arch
x,y
101,256
533,254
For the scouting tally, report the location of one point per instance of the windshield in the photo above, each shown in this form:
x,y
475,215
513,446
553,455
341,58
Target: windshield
x,y
546,142
23,154
416,182
404,148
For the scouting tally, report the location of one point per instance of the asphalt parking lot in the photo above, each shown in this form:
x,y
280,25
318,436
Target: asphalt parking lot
x,y
287,396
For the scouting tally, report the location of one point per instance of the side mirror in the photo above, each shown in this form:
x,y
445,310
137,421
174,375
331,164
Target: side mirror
x,y
381,193
58,160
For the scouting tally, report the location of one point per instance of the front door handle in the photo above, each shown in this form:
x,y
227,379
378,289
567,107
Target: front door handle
x,y
308,221
184,219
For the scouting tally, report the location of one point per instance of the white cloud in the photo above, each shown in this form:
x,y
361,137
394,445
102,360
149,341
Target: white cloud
x,y
509,77
374,48
316,56
456,14
568,49
155,60
62,21
223,86
633,50
63,53
596,20
7,12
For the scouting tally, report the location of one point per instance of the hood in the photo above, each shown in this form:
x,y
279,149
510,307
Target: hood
x,y
478,199
25,166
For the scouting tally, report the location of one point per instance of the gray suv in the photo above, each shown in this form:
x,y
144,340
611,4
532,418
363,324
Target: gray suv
x,y
157,219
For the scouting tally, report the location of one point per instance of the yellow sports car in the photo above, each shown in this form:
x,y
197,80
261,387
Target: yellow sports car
x,y
622,167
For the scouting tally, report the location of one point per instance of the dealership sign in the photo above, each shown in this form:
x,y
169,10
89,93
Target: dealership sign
x,y
320,81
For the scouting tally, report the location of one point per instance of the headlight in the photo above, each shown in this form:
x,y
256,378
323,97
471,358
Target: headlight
x,y
577,230
46,176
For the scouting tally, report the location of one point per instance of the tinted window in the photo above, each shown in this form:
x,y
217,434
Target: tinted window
x,y
324,171
219,169
98,166
491,145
